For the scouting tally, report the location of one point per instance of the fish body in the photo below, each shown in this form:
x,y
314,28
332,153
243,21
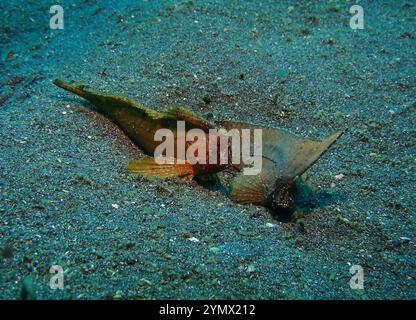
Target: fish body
x,y
285,156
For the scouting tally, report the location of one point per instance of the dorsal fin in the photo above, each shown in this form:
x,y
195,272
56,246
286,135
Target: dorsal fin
x,y
190,117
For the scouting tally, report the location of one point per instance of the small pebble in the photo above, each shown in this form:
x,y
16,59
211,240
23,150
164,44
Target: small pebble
x,y
118,294
7,252
193,239
406,239
214,249
343,220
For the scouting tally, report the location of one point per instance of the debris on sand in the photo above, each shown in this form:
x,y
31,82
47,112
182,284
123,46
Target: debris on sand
x,y
193,239
13,81
4,98
7,252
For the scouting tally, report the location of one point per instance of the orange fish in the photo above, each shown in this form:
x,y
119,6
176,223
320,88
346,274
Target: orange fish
x,y
285,156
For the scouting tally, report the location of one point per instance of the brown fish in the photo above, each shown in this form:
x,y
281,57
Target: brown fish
x,y
285,156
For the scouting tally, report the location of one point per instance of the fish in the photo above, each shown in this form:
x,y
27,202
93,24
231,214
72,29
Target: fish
x,y
285,156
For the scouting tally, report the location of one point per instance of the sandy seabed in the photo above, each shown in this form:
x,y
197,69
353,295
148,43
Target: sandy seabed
x,y
66,198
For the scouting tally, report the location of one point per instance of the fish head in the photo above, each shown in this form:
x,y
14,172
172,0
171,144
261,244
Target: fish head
x,y
281,198
285,157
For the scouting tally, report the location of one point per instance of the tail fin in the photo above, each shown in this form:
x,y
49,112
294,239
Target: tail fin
x,y
292,154
149,168
309,151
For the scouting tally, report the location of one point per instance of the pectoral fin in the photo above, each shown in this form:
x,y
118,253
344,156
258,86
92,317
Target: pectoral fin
x,y
149,168
246,189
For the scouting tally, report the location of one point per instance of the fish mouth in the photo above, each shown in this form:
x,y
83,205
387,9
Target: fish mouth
x,y
282,198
